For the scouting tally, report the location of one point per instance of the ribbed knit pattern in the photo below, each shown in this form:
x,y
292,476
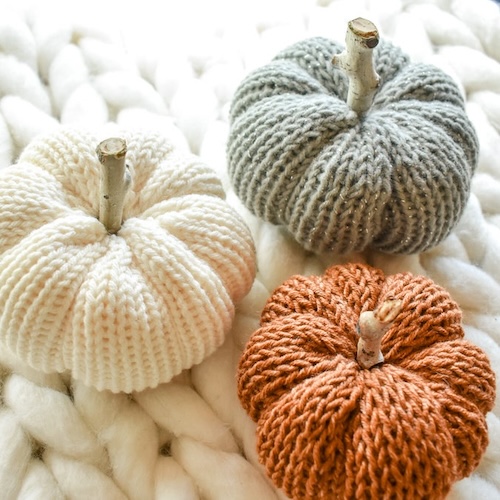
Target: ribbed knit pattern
x,y
330,429
126,311
396,179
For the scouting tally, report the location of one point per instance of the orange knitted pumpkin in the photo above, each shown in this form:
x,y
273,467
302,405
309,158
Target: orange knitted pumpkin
x,y
328,428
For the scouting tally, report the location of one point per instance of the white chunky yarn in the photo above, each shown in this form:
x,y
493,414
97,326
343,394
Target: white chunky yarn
x,y
114,446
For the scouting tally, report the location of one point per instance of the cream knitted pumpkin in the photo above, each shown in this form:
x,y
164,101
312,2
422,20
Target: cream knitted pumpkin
x,y
121,311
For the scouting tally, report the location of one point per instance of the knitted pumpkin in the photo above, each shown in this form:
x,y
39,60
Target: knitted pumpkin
x,y
329,428
121,311
395,177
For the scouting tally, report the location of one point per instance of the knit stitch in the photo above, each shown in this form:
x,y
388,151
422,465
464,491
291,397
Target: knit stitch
x,y
396,179
326,428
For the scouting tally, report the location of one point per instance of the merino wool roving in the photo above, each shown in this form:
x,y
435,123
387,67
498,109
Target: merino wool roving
x,y
395,178
327,428
121,311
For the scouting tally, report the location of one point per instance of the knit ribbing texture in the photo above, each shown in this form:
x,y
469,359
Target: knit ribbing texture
x,y
327,428
396,179
126,311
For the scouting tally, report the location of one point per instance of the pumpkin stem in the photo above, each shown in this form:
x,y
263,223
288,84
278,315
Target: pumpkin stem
x,y
357,61
115,182
371,328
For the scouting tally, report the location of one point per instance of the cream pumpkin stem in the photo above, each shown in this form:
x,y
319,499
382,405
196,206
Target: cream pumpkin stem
x,y
115,182
371,328
357,61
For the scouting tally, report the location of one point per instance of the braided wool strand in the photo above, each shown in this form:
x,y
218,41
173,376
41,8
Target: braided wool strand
x,y
325,426
396,179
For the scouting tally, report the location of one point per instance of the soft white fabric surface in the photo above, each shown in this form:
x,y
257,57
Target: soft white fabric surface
x,y
172,67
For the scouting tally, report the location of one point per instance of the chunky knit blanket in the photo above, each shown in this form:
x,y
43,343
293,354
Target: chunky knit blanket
x,y
174,69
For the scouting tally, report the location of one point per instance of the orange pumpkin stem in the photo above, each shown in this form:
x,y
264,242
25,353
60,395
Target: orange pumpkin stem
x,y
115,182
371,328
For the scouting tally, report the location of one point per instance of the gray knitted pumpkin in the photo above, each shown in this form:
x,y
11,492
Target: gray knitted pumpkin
x,y
395,179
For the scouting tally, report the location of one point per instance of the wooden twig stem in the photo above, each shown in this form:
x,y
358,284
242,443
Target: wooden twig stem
x,y
357,61
115,182
371,328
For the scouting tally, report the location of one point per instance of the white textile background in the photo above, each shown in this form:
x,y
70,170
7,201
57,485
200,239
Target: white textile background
x,y
173,67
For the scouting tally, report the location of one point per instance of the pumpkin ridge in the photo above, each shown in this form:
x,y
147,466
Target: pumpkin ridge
x,y
314,56
264,356
453,187
194,221
283,120
317,419
440,122
290,163
430,316
296,161
17,215
401,423
458,365
163,257
285,78
145,155
420,82
389,61
296,198
110,319
42,332
303,295
404,214
248,146
344,197
26,274
167,267
310,206
169,185
467,426
71,161
360,285
183,204
438,205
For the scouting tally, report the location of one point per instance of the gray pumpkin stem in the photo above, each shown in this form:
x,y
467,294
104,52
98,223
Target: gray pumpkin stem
x,y
371,328
357,61
115,182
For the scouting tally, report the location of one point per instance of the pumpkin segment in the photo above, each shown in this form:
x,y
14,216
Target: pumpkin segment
x,y
329,428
